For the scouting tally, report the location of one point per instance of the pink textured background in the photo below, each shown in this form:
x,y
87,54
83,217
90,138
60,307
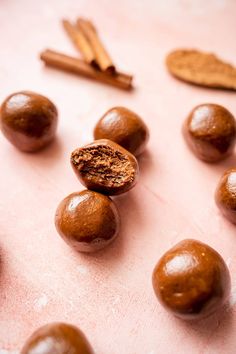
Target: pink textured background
x,y
109,295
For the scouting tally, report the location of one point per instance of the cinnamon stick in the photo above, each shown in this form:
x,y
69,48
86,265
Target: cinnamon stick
x,y
102,57
80,41
79,67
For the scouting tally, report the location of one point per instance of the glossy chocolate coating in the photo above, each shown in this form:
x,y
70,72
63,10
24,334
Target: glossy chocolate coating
x,y
87,221
225,195
57,338
28,120
125,128
191,280
105,167
210,132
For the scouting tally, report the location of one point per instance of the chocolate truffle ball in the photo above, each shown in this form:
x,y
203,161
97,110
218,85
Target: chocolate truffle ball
x,y
57,338
210,132
125,128
191,280
87,221
225,195
105,167
28,120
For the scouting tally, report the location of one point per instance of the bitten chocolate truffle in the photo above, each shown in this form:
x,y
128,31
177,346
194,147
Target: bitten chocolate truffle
x,y
28,120
210,132
125,128
225,195
191,280
87,221
105,167
57,338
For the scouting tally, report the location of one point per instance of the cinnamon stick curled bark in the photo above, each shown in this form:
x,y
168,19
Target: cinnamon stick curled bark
x,y
102,57
79,67
80,41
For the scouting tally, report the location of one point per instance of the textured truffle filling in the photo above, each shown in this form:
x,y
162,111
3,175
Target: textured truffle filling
x,y
105,164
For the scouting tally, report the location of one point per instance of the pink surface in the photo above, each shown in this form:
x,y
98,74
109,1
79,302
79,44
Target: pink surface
x,y
109,295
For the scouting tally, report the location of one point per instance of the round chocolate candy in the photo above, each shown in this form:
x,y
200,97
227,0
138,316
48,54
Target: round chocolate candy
x,y
28,120
210,132
191,280
125,128
57,338
105,167
225,195
87,221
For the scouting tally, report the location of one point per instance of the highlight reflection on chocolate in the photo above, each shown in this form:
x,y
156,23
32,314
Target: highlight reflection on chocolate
x,y
210,132
28,120
191,280
225,195
125,128
88,221
57,338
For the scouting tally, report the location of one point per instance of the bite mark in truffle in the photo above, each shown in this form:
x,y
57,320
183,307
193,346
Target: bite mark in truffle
x,y
105,166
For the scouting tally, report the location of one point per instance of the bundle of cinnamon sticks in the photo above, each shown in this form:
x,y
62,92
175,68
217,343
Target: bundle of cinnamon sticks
x,y
96,63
